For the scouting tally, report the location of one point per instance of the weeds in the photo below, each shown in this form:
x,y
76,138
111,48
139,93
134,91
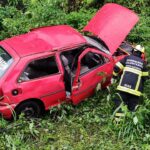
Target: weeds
x,y
86,126
135,125
89,125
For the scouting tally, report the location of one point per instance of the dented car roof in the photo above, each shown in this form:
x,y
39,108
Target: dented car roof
x,y
45,39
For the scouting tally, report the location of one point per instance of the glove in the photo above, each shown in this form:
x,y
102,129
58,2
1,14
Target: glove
x,y
113,80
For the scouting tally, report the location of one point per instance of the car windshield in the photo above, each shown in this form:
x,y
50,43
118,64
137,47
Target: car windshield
x,y
5,61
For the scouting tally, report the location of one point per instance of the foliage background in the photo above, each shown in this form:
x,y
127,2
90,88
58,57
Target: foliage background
x,y
87,126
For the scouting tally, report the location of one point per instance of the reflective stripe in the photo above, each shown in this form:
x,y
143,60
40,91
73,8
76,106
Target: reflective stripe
x,y
143,50
138,83
133,70
145,73
119,115
138,72
131,91
118,119
121,78
128,90
118,64
115,74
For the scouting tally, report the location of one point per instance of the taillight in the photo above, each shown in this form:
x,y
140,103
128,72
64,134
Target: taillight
x,y
1,94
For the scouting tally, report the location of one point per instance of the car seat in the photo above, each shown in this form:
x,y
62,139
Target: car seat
x,y
67,62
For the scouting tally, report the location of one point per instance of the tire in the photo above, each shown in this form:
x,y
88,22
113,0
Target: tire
x,y
29,109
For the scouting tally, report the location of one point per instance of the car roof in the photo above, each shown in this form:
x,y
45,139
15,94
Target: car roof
x,y
45,39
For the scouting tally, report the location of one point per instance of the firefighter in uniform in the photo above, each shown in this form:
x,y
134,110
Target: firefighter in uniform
x,y
133,73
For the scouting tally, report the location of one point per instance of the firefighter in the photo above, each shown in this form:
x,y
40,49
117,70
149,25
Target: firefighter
x,y
133,72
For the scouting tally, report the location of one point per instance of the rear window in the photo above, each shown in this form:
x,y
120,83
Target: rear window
x,y
5,61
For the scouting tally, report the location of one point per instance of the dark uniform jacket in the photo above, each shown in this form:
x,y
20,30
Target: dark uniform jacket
x,y
134,73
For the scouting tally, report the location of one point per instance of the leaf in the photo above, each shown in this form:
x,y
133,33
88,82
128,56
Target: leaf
x,y
135,120
98,87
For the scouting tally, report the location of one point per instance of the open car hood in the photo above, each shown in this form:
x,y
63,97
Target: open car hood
x,y
112,23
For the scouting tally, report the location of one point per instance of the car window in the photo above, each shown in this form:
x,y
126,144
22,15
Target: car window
x,y
5,61
39,68
92,60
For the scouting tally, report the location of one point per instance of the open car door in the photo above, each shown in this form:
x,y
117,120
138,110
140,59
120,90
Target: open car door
x,y
94,67
112,23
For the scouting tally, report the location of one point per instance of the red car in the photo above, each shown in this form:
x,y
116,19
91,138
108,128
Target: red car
x,y
49,65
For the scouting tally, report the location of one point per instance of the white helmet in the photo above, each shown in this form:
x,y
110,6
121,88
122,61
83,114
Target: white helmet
x,y
139,48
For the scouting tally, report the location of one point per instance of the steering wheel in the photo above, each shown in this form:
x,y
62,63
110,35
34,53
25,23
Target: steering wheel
x,y
96,58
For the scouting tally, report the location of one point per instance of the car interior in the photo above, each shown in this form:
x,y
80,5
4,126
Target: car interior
x,y
39,68
69,60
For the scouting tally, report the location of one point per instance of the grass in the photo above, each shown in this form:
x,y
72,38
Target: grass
x,y
82,127
87,126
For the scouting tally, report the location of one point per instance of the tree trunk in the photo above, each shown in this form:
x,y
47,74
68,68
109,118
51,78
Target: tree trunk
x,y
71,5
74,5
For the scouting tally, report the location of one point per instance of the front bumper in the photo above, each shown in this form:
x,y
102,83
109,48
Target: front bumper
x,y
7,110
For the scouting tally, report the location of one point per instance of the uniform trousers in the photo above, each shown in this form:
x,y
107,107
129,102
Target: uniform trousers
x,y
129,99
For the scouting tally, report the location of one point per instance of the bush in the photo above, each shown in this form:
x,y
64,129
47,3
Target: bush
x,y
79,19
40,13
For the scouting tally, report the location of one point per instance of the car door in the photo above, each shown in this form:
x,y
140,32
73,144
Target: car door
x,y
42,79
87,77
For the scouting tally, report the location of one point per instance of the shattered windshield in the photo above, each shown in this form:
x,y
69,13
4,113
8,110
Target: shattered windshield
x,y
5,61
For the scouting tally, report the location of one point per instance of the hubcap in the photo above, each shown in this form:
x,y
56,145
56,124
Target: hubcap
x,y
28,112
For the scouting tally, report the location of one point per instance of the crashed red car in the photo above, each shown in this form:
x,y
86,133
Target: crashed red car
x,y
49,65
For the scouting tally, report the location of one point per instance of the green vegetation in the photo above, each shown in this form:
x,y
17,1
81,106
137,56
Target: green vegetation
x,y
88,126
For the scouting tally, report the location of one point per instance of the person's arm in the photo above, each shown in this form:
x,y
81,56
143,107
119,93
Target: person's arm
x,y
145,72
118,68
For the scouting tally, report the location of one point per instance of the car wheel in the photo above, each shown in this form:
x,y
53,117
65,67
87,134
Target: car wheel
x,y
29,109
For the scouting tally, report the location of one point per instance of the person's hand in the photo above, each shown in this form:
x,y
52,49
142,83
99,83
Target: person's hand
x,y
113,80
